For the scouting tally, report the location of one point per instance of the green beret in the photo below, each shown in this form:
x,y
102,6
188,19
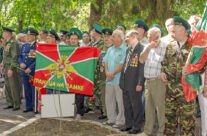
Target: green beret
x,y
75,31
97,28
141,24
53,33
44,30
24,31
156,25
63,32
32,31
7,29
107,31
85,32
181,21
122,26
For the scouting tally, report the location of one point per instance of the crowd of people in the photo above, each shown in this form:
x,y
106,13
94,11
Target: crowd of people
x,y
138,74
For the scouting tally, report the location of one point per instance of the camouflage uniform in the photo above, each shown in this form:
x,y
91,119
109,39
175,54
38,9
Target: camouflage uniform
x,y
178,110
99,80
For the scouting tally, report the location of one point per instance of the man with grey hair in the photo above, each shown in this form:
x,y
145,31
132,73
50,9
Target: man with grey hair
x,y
155,89
113,62
131,83
170,29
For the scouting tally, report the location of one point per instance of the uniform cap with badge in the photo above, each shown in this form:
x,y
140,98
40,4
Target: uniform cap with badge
x,y
97,28
32,31
85,32
183,22
53,34
24,31
75,31
141,24
107,31
8,29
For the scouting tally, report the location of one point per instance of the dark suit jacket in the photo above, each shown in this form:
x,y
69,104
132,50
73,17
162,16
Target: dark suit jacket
x,y
134,74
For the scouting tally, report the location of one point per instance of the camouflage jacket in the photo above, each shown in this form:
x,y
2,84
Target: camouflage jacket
x,y
11,53
175,58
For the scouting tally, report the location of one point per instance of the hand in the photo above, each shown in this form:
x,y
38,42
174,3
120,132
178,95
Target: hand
x,y
110,76
154,44
138,88
10,73
22,65
28,70
164,77
2,70
184,70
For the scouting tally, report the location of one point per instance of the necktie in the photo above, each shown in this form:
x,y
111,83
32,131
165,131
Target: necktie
x,y
127,59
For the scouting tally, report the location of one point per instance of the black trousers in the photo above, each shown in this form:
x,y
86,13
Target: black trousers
x,y
79,101
132,109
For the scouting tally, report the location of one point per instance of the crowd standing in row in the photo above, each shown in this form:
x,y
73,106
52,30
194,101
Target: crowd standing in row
x,y
135,75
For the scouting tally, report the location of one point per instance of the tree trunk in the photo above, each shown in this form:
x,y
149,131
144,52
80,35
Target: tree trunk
x,y
95,13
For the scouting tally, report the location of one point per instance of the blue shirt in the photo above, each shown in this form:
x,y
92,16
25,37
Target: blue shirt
x,y
114,57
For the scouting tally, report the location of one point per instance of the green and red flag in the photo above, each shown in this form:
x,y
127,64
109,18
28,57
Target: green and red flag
x,y
197,59
65,68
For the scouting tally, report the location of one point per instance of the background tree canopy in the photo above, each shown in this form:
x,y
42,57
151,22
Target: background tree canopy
x,y
64,14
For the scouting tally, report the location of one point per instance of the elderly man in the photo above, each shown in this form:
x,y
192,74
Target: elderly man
x,y
113,61
170,29
177,108
52,37
154,87
10,56
131,83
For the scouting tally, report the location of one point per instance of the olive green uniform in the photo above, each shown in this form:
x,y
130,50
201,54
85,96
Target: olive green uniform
x,y
10,57
178,110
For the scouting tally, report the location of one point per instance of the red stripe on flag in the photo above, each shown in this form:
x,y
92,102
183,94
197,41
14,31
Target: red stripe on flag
x,y
83,53
79,82
49,50
43,75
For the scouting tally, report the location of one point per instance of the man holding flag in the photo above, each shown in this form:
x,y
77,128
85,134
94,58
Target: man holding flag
x,y
194,80
177,108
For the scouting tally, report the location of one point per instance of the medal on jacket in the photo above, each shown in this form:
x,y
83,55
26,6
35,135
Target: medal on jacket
x,y
32,54
7,48
134,62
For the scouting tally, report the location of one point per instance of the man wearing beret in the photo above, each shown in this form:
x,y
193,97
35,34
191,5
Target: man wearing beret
x,y
142,28
86,39
26,61
99,73
10,61
177,108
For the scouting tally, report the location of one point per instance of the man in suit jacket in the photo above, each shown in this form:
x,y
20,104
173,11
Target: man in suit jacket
x,y
131,82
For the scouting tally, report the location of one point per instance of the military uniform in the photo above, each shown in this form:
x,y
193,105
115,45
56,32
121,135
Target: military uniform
x,y
12,90
27,56
178,110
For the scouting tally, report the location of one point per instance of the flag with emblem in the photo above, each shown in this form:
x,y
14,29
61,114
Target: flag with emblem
x,y
197,59
65,68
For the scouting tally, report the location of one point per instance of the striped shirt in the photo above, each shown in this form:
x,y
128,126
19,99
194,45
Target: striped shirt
x,y
152,68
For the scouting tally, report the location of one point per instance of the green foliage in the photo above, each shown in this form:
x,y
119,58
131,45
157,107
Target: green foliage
x,y
64,14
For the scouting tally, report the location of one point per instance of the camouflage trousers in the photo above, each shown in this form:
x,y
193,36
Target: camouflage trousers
x,y
99,95
179,111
